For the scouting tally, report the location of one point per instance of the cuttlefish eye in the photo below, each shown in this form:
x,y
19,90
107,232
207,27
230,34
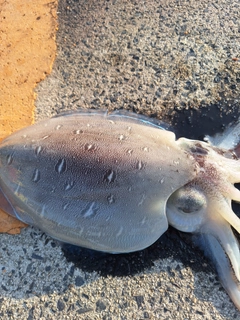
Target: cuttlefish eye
x,y
185,208
188,200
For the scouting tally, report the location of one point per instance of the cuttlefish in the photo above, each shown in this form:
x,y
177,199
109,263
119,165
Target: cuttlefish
x,y
114,182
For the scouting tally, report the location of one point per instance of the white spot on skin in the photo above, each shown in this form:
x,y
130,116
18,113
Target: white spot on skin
x,y
130,151
146,149
139,165
36,175
42,213
162,180
17,189
90,147
90,210
121,137
58,126
66,205
77,131
142,200
110,199
38,150
69,185
110,176
61,166
45,137
9,159
119,232
143,221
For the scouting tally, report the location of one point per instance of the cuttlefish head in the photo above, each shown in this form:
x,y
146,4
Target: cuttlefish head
x,y
203,207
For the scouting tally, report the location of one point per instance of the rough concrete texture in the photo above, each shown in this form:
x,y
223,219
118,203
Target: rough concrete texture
x,y
154,57
27,52
149,56
167,281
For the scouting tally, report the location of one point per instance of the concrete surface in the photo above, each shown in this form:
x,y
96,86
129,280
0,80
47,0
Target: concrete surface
x,y
163,59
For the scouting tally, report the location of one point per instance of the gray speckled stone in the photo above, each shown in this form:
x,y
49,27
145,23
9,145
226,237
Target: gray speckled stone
x,y
150,56
167,290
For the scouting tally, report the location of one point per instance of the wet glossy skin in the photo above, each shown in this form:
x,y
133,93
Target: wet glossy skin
x,y
114,182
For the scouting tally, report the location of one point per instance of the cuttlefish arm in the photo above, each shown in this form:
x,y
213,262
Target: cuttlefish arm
x,y
223,250
203,207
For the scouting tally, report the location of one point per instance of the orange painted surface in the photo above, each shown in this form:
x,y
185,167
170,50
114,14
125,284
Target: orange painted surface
x,y
27,53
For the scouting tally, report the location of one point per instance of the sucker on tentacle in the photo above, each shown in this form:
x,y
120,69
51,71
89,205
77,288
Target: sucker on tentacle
x,y
113,182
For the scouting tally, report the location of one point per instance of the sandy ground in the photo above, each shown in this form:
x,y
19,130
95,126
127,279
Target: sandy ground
x,y
175,60
27,52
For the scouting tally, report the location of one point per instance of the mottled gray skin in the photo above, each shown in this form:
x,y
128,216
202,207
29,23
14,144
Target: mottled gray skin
x,y
114,182
93,180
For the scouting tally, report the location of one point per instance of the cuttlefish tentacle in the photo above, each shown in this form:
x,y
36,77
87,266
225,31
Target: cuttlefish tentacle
x,y
203,207
113,182
223,248
222,231
233,193
217,254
